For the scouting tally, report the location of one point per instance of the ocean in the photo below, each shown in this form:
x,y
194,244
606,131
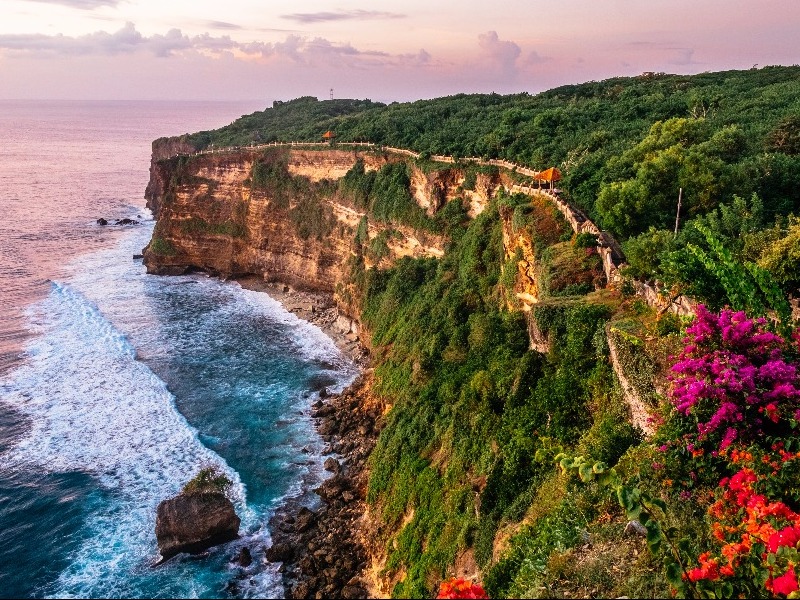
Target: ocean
x,y
116,386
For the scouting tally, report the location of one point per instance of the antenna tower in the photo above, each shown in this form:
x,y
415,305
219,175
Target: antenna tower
x,y
331,93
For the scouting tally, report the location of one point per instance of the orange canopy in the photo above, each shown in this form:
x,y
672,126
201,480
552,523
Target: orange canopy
x,y
551,174
328,135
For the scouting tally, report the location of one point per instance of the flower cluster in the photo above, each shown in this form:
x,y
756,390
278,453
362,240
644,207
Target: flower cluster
x,y
757,534
460,588
733,377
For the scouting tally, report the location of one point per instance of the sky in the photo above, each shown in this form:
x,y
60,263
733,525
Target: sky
x,y
387,51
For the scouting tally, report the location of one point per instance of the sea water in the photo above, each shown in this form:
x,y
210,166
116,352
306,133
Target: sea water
x,y
117,386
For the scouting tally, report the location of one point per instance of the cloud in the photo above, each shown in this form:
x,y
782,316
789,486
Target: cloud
x,y
222,25
534,58
502,55
342,15
683,56
125,41
294,49
81,4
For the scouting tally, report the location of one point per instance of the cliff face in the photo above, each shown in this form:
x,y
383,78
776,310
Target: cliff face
x,y
519,243
291,226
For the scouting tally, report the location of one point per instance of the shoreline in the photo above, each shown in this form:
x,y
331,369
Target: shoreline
x,y
317,308
319,536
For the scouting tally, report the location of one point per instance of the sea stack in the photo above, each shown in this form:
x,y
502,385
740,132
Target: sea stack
x,y
194,522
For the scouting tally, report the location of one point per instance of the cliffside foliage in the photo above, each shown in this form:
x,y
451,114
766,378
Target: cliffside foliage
x,y
385,195
624,145
476,414
726,454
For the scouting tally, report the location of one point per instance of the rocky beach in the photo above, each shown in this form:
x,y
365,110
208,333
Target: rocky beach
x,y
320,537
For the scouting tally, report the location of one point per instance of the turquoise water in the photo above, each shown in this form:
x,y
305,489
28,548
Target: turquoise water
x,y
126,385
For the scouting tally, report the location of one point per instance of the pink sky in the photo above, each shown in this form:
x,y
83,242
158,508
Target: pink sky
x,y
256,50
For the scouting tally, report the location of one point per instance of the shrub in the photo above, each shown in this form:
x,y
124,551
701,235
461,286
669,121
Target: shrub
x,y
209,480
734,380
162,247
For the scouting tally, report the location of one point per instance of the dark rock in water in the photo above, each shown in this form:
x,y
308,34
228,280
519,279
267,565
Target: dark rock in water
x,y
102,221
138,256
323,393
194,522
280,552
126,221
245,559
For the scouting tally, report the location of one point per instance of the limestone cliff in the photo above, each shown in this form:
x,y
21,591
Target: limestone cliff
x,y
276,214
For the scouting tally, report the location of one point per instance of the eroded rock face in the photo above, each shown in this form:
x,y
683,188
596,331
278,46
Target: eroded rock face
x,y
195,522
212,218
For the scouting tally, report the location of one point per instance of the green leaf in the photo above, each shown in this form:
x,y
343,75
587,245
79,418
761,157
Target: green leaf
x,y
607,477
586,473
659,503
653,536
599,467
626,497
727,590
673,572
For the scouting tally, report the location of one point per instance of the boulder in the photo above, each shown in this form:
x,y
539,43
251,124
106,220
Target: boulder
x,y
245,559
102,221
280,552
195,522
305,519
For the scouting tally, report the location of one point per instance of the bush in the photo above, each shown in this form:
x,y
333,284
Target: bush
x,y
162,247
209,480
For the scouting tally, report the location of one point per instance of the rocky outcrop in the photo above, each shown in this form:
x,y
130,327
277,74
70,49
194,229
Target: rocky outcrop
x,y
211,217
519,243
195,522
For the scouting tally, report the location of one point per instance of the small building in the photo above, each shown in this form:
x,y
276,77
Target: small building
x,y
329,137
549,176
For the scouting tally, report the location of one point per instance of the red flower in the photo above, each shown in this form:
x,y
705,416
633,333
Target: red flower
x,y
460,588
788,536
786,583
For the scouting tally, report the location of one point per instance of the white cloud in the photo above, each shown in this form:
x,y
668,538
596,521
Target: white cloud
x,y
502,54
81,4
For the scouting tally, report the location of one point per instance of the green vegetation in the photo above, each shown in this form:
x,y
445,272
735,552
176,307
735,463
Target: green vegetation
x,y
162,247
198,225
209,480
385,194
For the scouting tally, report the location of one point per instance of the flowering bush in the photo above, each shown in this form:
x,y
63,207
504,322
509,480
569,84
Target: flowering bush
x,y
460,588
759,535
735,379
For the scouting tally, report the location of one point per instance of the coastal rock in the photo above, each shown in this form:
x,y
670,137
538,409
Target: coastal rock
x,y
195,522
102,221
305,518
244,559
280,552
332,465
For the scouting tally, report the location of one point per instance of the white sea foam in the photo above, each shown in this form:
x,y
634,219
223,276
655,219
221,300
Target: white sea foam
x,y
95,409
